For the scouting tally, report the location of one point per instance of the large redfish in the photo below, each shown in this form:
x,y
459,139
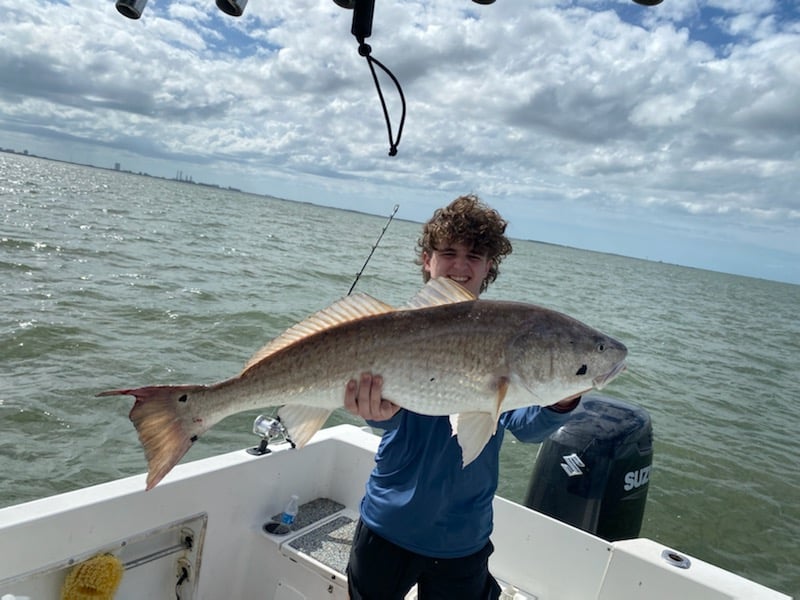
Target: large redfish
x,y
446,353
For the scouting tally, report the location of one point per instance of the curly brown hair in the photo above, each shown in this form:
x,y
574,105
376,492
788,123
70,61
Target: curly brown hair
x,y
466,220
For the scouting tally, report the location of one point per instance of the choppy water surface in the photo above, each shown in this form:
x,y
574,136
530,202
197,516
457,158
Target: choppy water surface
x,y
110,279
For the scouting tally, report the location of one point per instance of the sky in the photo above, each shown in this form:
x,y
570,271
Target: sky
x,y
669,133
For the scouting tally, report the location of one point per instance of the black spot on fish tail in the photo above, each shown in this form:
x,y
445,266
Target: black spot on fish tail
x,y
581,371
162,425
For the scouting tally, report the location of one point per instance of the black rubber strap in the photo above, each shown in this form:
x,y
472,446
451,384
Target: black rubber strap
x,y
365,51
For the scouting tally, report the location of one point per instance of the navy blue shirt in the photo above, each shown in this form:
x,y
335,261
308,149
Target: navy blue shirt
x,y
419,496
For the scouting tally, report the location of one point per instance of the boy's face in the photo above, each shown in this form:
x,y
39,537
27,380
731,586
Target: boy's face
x,y
460,263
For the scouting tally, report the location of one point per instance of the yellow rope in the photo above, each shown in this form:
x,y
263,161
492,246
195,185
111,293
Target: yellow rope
x,y
96,578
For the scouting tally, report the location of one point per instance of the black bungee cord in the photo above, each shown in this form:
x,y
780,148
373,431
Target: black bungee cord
x,y
362,29
364,50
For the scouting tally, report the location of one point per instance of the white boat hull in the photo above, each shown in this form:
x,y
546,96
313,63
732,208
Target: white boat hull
x,y
222,503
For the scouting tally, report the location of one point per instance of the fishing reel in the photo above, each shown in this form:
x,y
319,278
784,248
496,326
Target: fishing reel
x,y
269,430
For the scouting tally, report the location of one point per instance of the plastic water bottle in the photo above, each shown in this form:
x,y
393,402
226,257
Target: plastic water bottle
x,y
290,512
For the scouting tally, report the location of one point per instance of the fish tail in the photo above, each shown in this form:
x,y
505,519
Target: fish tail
x,y
164,423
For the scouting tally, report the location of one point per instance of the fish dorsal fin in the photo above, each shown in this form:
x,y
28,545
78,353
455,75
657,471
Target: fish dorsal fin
x,y
440,291
349,308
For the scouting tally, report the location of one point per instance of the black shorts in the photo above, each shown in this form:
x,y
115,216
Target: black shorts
x,y
381,570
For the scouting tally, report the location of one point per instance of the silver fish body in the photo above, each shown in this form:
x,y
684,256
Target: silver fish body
x,y
445,354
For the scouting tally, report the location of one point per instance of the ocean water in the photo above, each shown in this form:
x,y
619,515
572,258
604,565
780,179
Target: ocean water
x,y
110,279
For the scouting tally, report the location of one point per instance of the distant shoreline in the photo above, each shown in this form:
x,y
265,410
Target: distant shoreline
x,y
120,170
190,181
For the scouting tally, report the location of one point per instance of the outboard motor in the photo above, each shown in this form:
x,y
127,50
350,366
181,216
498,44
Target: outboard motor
x,y
593,473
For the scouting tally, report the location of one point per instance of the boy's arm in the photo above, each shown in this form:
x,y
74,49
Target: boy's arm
x,y
534,423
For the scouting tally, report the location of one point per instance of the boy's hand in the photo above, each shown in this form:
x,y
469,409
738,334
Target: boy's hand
x,y
363,398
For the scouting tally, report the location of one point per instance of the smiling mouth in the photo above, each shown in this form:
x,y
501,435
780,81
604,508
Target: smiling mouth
x,y
601,381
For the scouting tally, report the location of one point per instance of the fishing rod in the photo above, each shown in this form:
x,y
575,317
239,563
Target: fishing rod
x,y
375,245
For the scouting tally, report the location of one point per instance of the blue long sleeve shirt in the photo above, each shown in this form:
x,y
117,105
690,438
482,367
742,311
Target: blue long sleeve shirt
x,y
420,498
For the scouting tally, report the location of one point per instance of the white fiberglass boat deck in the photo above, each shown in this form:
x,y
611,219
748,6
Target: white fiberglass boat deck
x,y
199,535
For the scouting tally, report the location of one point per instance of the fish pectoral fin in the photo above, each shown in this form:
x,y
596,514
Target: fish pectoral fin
x,y
302,422
473,430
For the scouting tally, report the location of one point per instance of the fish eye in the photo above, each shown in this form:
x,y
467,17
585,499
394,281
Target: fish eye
x,y
600,347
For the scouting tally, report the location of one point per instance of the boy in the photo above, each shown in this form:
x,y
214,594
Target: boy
x,y
425,520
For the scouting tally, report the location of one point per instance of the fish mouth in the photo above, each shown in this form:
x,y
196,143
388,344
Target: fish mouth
x,y
601,381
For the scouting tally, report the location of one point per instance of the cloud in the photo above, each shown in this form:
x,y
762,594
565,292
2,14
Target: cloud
x,y
687,110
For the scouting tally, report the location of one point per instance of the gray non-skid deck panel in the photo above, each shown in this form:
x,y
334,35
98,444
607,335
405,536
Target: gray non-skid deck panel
x,y
329,543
